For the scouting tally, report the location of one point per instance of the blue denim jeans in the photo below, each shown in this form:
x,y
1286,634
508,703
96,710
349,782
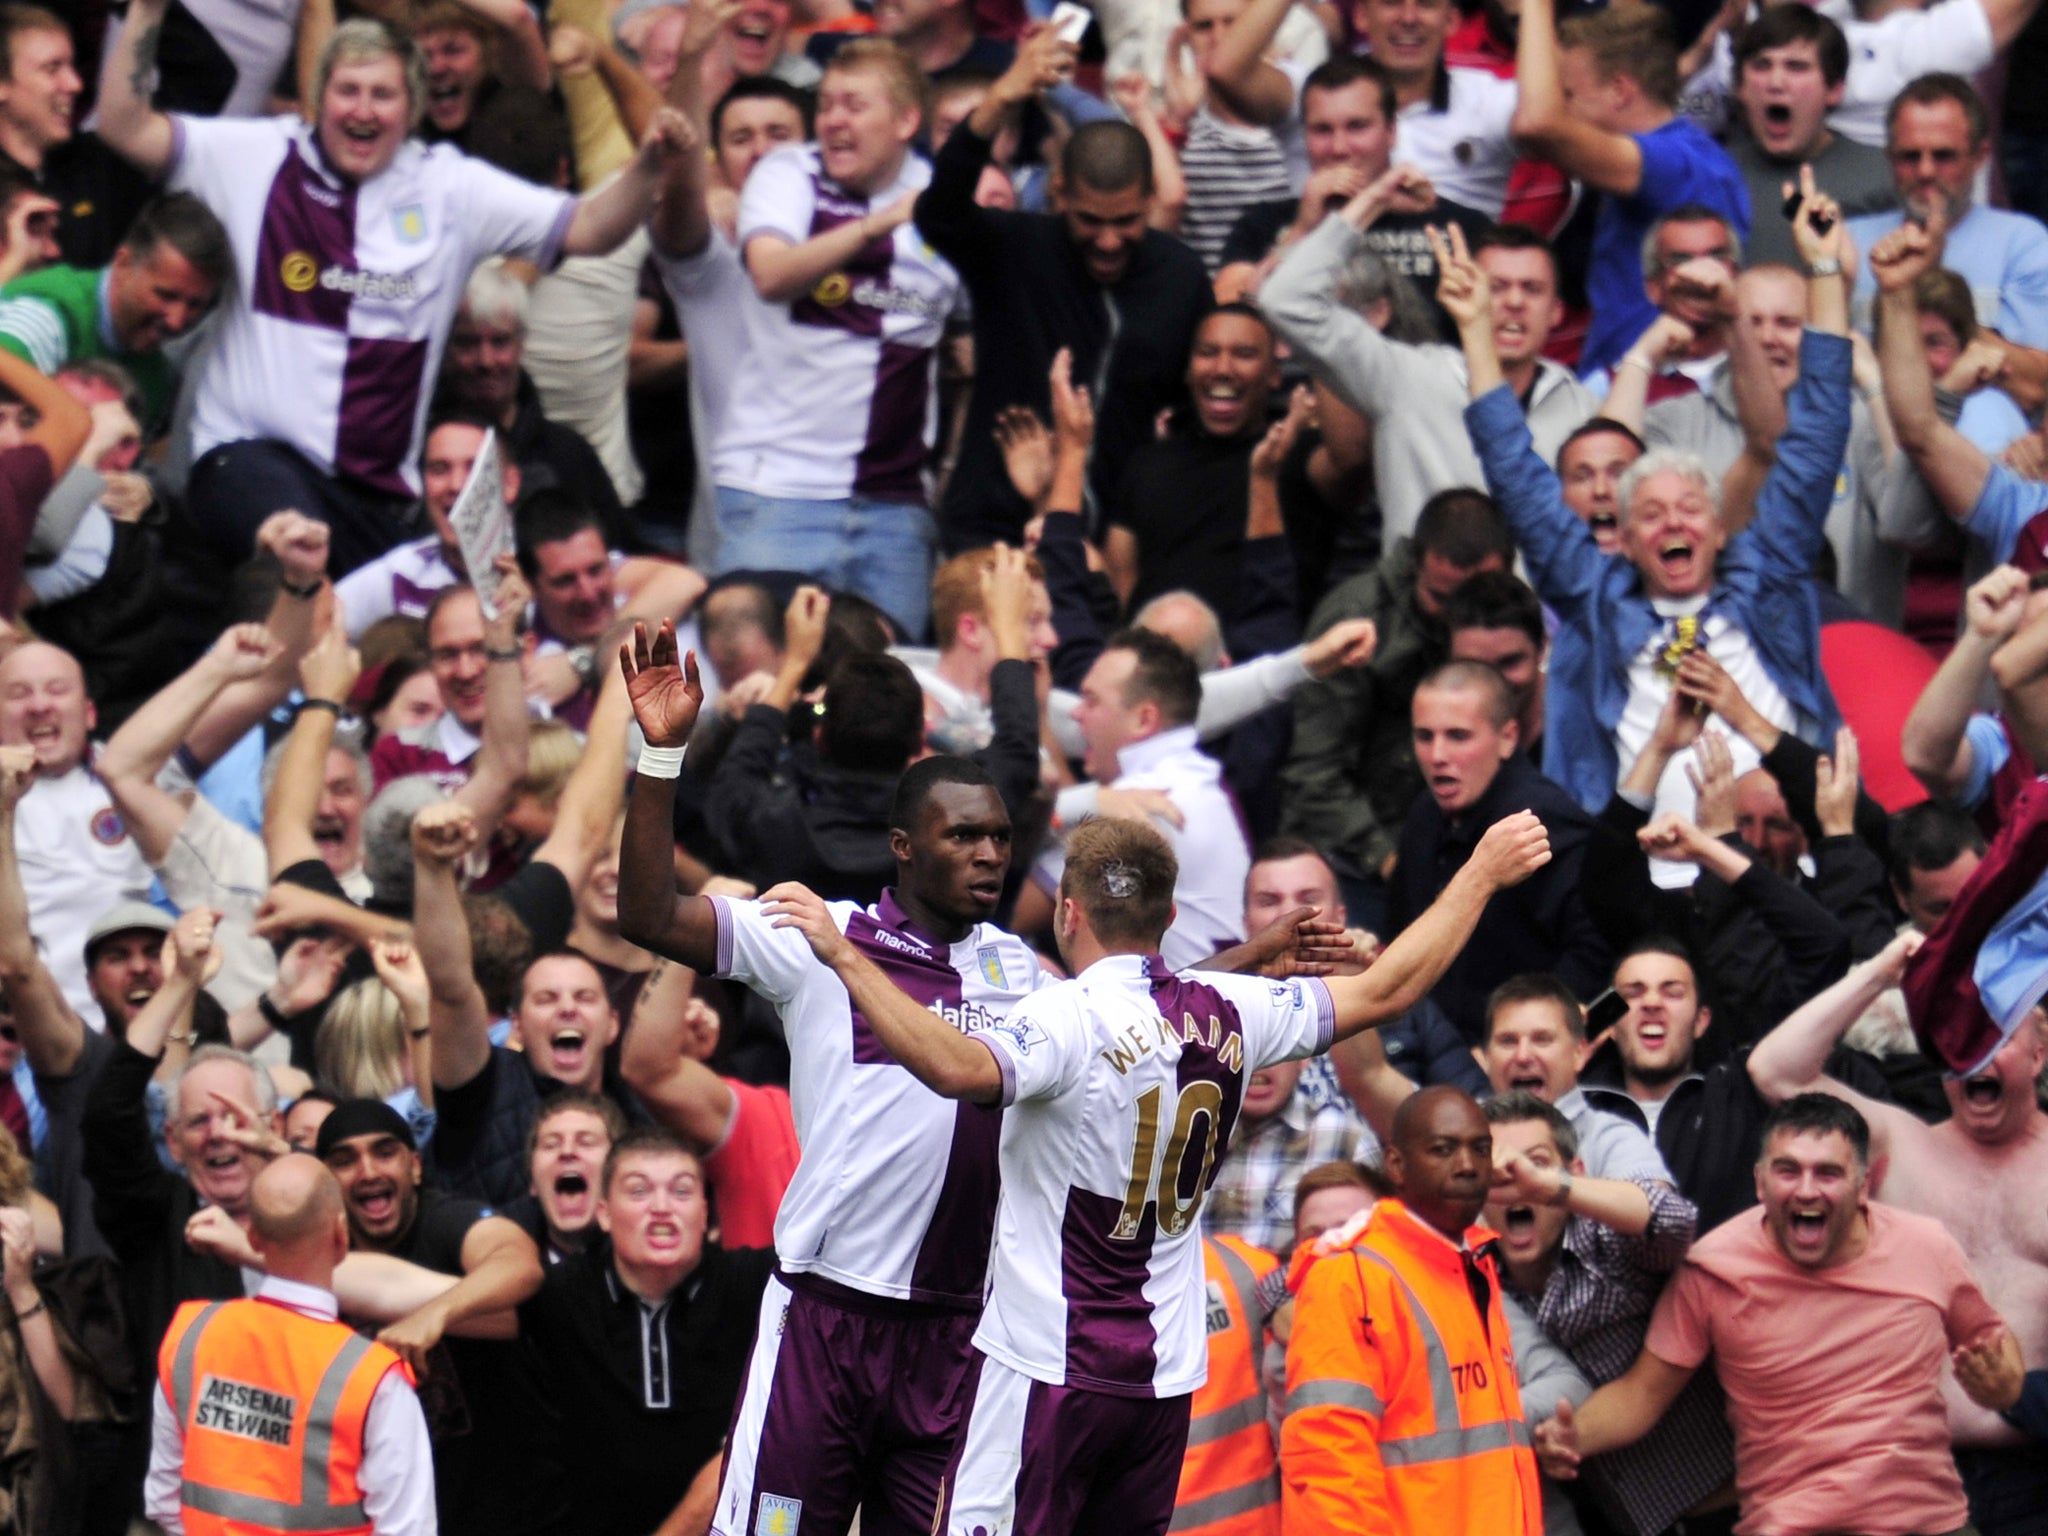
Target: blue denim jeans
x,y
879,550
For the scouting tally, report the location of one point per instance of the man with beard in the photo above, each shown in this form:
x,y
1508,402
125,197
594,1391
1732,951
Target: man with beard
x,y
1979,1174
1829,1319
1588,1257
487,1416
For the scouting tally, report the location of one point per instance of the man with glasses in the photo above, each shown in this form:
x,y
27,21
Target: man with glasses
x,y
1937,138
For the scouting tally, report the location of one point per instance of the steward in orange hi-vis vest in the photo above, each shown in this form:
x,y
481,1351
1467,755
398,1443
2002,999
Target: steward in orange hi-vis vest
x,y
1230,1481
273,1405
1404,1413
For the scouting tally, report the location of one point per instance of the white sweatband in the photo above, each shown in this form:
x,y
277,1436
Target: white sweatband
x,y
660,762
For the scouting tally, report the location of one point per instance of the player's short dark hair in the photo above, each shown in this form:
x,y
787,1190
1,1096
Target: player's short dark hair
x,y
644,1141
1121,873
1107,156
1464,528
1932,90
764,88
520,130
1521,1106
1496,600
1478,676
548,516
1536,987
1347,69
1780,25
1165,675
185,224
874,714
1929,836
1819,1113
926,775
1636,42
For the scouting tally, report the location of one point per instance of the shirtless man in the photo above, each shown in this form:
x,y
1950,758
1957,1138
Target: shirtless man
x,y
1980,1174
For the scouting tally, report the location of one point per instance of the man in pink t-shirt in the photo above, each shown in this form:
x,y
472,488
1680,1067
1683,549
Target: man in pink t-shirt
x,y
1830,1319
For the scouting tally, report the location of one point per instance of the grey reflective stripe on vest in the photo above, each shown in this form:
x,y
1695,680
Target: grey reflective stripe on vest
x,y
1450,1444
1446,1443
312,1512
1246,1412
273,1514
319,1446
1334,1393
181,1363
1262,1493
1227,1420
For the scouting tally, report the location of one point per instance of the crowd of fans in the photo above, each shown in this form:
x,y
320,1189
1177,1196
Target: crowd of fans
x,y
1324,434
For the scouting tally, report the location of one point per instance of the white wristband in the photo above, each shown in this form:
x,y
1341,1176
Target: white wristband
x,y
660,762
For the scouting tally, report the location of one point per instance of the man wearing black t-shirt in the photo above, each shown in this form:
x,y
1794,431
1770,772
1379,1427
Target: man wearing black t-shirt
x,y
486,1097
646,1341
1347,124
1186,504
493,1471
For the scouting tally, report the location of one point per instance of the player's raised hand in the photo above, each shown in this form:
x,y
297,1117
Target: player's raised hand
x,y
1512,849
1302,943
794,905
666,696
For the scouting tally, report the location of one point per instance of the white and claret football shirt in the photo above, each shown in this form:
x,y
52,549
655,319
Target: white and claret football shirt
x,y
895,1193
839,395
346,290
1123,1088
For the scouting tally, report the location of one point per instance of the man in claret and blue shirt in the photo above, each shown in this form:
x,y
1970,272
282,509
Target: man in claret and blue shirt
x,y
351,246
1122,1088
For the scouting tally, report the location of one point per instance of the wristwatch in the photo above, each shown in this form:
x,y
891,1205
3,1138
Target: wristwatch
x,y
1827,266
583,662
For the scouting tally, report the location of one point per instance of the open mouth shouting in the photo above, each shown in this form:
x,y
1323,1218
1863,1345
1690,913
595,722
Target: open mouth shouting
x,y
1518,1229
1677,562
573,1199
375,1202
1806,1228
1527,1082
569,1053
1983,1092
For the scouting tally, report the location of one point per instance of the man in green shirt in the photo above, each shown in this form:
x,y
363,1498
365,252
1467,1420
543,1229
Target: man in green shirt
x,y
164,277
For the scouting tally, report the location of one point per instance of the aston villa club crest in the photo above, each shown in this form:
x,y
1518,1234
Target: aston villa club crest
x,y
991,960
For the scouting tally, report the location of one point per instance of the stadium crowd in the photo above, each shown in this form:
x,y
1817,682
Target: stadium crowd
x,y
1232,766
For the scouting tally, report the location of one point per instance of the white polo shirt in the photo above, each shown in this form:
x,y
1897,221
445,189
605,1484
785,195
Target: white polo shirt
x,y
1215,856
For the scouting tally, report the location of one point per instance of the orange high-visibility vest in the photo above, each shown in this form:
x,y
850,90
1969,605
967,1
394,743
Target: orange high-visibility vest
x,y
1230,1481
272,1404
1404,1413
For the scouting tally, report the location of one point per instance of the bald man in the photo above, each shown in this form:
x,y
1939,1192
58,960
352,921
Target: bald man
x,y
77,858
1361,1447
248,1390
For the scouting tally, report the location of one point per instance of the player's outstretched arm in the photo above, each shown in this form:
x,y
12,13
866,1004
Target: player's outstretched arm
x,y
666,696
951,1064
1511,850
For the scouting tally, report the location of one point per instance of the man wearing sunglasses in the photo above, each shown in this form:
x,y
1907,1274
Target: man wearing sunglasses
x,y
1937,140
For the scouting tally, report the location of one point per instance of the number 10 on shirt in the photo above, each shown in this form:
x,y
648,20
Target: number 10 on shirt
x,y
1153,1181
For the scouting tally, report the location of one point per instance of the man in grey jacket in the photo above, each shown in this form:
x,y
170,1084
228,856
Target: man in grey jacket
x,y
1412,394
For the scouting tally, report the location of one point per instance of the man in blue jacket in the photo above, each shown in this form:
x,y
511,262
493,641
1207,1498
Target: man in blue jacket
x,y
1686,580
